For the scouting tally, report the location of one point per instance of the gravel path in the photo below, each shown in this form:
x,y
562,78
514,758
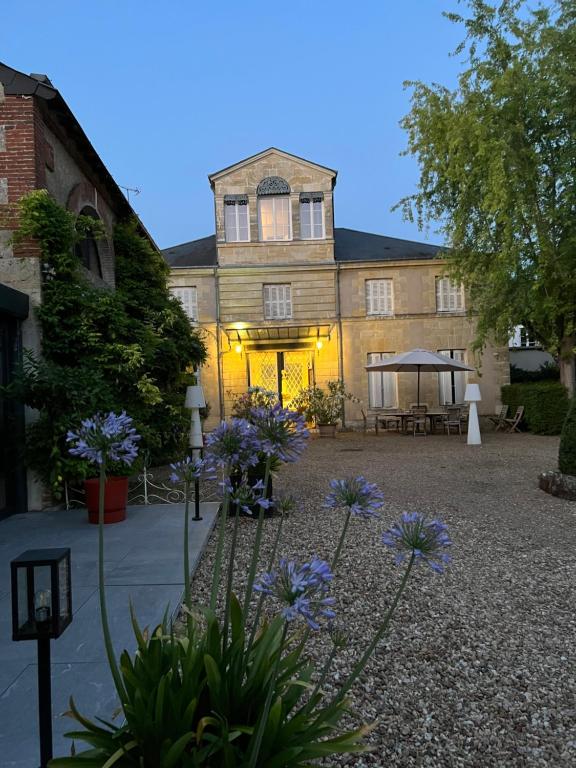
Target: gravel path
x,y
478,668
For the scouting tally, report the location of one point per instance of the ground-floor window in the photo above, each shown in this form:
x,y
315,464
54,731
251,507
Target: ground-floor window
x,y
382,385
452,384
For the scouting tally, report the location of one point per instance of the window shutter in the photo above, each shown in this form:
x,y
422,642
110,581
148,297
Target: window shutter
x,y
188,297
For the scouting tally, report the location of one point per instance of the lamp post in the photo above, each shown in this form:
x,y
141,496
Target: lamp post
x,y
194,401
41,610
473,396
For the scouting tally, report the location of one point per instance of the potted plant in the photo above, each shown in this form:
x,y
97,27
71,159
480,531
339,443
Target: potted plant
x,y
114,487
324,407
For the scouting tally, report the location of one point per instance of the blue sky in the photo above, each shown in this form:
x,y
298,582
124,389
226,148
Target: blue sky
x,y
169,92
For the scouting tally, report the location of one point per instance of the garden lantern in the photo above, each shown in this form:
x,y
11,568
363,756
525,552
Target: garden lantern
x,y
194,401
472,396
41,610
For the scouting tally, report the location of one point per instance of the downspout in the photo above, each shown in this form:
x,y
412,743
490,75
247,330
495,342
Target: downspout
x,y
218,347
340,342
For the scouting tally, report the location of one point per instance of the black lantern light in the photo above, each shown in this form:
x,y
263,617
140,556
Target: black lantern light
x,y
41,610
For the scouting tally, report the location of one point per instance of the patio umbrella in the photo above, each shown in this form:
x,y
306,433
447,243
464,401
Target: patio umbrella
x,y
419,360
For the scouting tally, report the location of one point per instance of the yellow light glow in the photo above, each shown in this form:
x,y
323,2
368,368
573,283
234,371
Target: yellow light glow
x,y
319,344
238,348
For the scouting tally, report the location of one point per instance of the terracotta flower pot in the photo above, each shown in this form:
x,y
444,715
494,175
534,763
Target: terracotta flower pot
x,y
327,430
115,499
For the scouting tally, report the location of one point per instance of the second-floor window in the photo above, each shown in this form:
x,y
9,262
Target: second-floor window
x,y
449,295
278,301
312,215
236,219
274,217
188,297
379,297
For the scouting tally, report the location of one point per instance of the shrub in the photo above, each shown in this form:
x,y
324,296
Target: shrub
x,y
567,453
545,404
546,372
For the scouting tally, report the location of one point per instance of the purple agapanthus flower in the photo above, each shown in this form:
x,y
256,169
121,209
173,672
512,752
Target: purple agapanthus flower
x,y
362,498
302,590
233,444
418,536
190,469
282,433
247,496
105,437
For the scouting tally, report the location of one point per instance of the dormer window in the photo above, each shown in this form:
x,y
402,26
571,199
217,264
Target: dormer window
x,y
274,209
312,215
236,218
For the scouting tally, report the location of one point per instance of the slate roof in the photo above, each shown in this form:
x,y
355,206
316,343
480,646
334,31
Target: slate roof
x,y
350,245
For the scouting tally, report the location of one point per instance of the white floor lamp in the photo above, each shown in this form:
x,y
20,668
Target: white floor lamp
x,y
473,396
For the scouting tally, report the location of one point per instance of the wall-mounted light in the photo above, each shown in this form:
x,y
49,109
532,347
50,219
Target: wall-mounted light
x,y
319,344
238,348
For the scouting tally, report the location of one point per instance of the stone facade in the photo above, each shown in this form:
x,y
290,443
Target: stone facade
x,y
328,298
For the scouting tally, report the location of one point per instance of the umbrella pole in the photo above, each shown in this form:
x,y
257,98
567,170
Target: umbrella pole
x,y
418,398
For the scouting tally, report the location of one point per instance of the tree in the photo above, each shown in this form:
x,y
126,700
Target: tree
x,y
497,161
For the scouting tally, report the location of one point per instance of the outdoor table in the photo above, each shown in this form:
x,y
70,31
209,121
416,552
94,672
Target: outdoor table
x,y
405,415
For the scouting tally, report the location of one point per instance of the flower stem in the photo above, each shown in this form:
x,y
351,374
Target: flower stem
x,y
101,589
257,543
256,621
268,703
310,703
376,639
230,576
341,542
220,545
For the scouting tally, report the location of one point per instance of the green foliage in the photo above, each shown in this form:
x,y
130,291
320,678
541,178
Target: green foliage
x,y
545,403
567,452
196,701
255,397
130,348
321,406
497,158
546,372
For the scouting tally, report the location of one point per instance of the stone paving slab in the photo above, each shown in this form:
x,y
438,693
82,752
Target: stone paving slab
x,y
143,565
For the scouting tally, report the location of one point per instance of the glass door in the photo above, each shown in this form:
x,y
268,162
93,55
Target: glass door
x,y
284,373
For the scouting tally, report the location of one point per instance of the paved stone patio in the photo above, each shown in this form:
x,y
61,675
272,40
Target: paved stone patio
x,y
143,564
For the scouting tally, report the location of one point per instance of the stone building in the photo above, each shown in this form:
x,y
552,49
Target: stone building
x,y
42,146
286,299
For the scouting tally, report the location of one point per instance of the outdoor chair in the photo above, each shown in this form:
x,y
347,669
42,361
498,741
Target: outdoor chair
x,y
500,418
453,420
513,424
417,420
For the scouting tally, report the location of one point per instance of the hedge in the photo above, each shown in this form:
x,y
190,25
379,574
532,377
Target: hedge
x,y
545,405
567,453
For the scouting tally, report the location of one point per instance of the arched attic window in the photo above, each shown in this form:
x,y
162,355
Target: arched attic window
x,y
274,209
87,248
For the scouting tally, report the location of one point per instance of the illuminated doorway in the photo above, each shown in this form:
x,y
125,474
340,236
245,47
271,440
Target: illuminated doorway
x,y
285,373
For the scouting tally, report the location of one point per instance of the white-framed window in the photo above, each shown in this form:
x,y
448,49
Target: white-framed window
x,y
379,297
312,216
275,217
449,295
452,384
522,340
278,301
382,385
188,297
236,219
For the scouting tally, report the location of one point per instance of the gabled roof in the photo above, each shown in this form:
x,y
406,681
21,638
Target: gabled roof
x,y
349,245
270,151
353,245
64,123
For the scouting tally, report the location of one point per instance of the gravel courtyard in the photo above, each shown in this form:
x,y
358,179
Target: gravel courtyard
x,y
478,667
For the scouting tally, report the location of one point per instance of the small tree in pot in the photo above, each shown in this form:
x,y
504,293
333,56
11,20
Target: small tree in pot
x,y
324,407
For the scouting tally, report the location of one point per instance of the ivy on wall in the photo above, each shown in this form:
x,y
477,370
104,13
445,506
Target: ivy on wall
x,y
130,348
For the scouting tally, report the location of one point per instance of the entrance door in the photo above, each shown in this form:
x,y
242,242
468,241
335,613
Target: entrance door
x,y
285,373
